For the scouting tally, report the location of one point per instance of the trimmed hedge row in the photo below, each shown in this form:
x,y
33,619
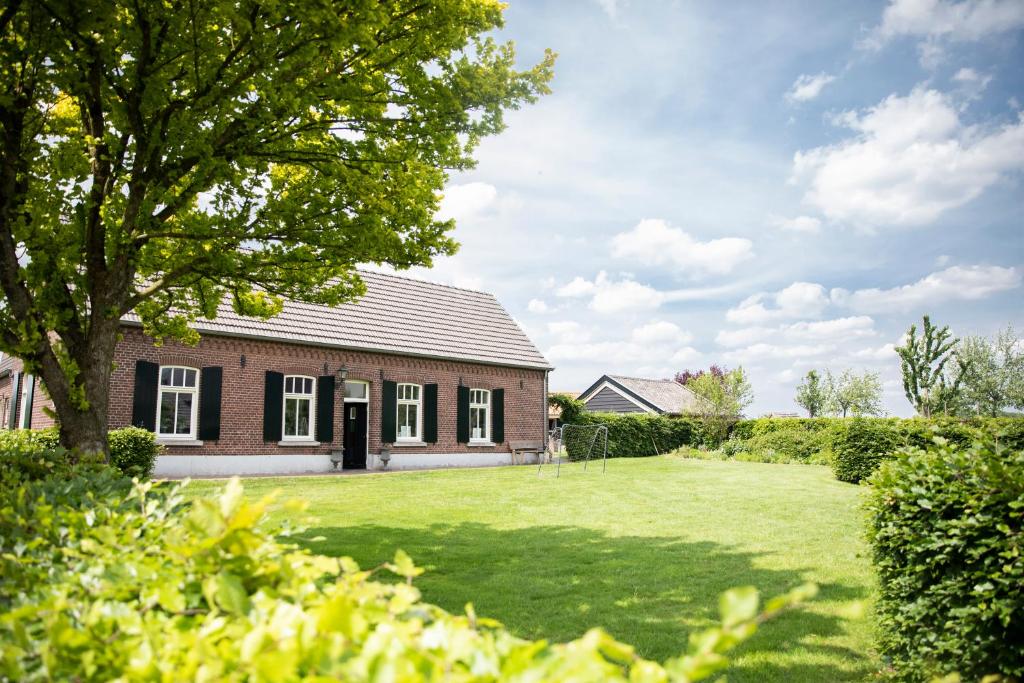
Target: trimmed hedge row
x,y
132,450
637,435
946,527
111,579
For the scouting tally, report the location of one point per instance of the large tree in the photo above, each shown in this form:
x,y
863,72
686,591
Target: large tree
x,y
812,394
163,157
853,394
992,375
931,386
724,395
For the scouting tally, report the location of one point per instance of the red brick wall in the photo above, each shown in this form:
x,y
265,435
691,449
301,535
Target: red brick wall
x,y
242,397
40,402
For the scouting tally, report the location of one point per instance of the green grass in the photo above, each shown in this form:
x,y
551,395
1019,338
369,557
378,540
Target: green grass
x,y
643,550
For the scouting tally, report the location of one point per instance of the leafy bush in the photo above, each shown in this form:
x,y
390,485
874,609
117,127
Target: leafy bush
x,y
946,529
793,444
35,453
860,446
133,451
141,584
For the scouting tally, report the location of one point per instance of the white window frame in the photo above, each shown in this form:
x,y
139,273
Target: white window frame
x,y
486,407
194,390
418,402
301,396
366,393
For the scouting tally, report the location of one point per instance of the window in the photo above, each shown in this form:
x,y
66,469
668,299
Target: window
x,y
409,412
177,402
356,391
298,407
479,407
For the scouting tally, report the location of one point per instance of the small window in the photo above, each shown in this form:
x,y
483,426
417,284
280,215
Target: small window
x,y
298,407
356,390
479,414
178,402
409,412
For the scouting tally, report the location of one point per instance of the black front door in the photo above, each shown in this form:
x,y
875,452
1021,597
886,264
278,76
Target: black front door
x,y
355,437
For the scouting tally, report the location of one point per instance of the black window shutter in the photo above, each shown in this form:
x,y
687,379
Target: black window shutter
x,y
430,413
210,381
144,400
31,391
498,418
12,416
462,416
325,409
388,411
273,405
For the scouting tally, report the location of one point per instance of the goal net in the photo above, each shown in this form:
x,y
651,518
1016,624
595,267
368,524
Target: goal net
x,y
580,443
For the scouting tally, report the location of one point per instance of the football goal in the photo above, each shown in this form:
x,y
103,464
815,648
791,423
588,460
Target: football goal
x,y
579,443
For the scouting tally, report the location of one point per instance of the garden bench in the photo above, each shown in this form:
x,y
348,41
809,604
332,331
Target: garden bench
x,y
521,448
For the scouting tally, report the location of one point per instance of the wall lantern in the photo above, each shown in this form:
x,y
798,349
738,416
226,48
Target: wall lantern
x,y
242,360
343,372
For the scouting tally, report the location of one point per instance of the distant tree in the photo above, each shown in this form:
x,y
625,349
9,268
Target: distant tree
x,y
724,396
164,157
991,375
853,394
686,375
812,394
923,361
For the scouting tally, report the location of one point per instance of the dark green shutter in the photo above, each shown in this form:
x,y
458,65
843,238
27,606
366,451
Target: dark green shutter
x,y
12,416
30,390
325,409
430,413
210,381
388,411
147,375
462,416
273,405
498,418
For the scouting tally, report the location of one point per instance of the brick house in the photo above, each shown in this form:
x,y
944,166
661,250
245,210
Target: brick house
x,y
432,375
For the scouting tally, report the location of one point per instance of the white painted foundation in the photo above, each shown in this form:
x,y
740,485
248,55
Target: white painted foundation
x,y
228,465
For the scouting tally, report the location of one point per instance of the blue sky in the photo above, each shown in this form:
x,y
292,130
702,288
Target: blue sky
x,y
782,186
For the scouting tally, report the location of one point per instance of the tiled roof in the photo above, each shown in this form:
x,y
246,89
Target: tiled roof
x,y
667,394
396,315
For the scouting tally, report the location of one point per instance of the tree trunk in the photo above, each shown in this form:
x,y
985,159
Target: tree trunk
x,y
83,428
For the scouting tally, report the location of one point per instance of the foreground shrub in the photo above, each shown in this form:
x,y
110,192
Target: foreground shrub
x,y
142,584
133,451
947,535
860,446
32,454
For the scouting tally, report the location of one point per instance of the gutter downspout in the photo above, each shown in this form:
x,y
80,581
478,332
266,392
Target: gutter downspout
x,y
544,409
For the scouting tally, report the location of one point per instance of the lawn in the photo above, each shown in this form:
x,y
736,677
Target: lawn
x,y
643,550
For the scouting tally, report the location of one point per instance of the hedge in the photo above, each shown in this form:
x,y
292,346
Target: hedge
x,y
132,450
110,579
946,527
636,435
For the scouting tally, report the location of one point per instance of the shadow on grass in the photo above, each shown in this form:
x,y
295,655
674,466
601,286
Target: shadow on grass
x,y
555,582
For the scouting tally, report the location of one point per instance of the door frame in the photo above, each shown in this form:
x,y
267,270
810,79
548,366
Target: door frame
x,y
366,399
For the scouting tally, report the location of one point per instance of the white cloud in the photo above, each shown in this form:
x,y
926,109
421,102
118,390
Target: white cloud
x,y
910,160
957,283
743,336
966,75
577,288
660,332
967,20
654,242
687,354
884,352
799,300
807,87
614,296
803,224
838,329
610,7
762,351
537,306
463,201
